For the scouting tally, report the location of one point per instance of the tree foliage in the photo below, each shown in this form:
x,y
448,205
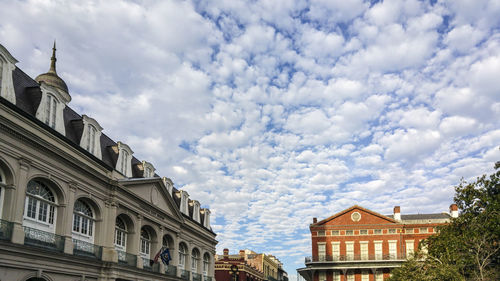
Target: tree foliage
x,y
469,247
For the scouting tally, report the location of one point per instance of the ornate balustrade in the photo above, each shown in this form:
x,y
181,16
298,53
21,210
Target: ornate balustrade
x,y
196,277
184,274
5,230
346,258
86,249
126,258
171,270
43,239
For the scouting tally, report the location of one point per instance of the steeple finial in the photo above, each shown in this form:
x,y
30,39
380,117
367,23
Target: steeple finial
x,y
53,59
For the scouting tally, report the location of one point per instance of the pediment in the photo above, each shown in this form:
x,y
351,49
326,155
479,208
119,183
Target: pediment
x,y
155,193
356,215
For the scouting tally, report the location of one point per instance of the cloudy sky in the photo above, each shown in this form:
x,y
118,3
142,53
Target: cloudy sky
x,y
275,112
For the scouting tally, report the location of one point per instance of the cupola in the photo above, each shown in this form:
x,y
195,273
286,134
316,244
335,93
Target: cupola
x,y
51,78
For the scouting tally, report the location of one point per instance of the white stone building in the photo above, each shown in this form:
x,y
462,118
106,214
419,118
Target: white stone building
x,y
76,205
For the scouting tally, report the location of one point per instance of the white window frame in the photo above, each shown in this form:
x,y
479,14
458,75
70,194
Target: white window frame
x,y
195,258
2,182
182,255
379,275
393,249
84,229
120,236
379,254
363,249
410,248
42,208
365,276
322,276
206,264
145,247
51,110
349,250
350,275
336,275
335,250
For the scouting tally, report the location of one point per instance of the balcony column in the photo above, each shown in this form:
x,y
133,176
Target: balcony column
x,y
65,219
18,198
176,251
136,241
107,231
159,246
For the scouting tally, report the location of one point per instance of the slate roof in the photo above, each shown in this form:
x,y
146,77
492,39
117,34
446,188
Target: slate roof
x,y
438,216
28,97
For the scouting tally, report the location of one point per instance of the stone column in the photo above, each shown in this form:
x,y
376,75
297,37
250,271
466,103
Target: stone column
x,y
107,231
65,219
135,240
17,207
159,247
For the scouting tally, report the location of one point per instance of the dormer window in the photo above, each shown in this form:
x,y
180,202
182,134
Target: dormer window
x,y
123,164
196,211
91,136
149,170
184,202
50,111
7,65
206,218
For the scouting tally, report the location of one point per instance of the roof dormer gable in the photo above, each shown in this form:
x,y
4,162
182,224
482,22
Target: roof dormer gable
x,y
51,107
148,170
206,217
91,136
355,215
184,202
124,161
169,184
196,210
7,65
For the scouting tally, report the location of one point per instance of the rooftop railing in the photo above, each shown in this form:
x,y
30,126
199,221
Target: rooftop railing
x,y
86,249
346,258
43,239
5,230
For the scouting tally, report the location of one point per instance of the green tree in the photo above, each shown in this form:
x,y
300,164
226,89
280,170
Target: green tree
x,y
468,248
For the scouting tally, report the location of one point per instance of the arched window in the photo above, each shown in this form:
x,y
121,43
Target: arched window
x,y
145,243
50,111
83,221
166,243
120,234
195,258
182,255
39,209
206,263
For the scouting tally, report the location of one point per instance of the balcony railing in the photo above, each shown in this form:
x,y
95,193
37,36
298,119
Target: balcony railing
x,y
147,264
171,270
185,274
270,278
207,278
196,277
126,258
5,230
86,249
43,239
346,258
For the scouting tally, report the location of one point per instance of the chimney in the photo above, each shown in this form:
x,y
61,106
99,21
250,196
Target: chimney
x,y
454,210
397,213
315,220
242,253
226,252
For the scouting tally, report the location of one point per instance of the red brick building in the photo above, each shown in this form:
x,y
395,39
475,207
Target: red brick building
x,y
224,268
358,244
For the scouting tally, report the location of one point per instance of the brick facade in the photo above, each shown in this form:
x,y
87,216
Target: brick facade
x,y
358,244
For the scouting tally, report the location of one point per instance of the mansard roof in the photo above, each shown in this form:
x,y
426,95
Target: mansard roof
x,y
28,97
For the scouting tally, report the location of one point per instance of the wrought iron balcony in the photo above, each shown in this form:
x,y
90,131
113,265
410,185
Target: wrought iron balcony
x,y
126,258
5,230
184,274
207,278
147,264
86,249
196,277
43,239
171,270
348,258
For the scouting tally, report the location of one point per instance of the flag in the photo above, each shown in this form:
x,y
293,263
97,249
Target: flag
x,y
165,256
155,260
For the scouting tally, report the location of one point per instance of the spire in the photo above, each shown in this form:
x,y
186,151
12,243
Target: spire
x,y
53,59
